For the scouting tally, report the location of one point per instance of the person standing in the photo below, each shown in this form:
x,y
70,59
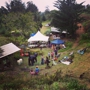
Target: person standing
x,y
55,51
42,60
35,56
47,61
29,59
32,59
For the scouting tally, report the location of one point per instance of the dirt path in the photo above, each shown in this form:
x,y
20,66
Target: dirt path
x,y
79,32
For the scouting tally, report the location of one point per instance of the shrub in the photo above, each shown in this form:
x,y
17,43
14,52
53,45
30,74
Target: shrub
x,y
88,45
46,87
69,44
17,55
74,85
85,36
55,86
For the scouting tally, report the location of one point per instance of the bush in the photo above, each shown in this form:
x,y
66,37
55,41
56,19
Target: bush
x,y
69,44
88,45
74,85
55,86
46,87
17,56
85,36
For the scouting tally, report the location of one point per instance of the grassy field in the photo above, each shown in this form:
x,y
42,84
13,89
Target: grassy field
x,y
79,66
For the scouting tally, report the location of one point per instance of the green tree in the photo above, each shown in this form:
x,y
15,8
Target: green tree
x,y
47,13
43,17
25,24
17,17
67,16
3,12
87,9
15,6
31,7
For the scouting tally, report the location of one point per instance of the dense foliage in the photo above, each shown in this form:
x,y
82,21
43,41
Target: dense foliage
x,y
15,13
52,82
67,16
17,19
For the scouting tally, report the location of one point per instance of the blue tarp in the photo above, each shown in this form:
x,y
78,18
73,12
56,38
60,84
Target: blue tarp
x,y
57,41
32,34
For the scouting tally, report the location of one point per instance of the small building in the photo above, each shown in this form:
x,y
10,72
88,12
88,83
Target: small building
x,y
5,51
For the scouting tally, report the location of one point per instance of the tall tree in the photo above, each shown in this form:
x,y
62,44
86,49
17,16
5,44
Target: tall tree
x,y
67,16
23,23
87,8
26,24
3,12
31,7
15,6
47,13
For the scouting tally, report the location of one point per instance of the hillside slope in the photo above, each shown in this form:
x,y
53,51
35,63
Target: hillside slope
x,y
81,63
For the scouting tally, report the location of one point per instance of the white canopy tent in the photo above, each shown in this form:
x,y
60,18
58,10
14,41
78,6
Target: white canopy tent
x,y
38,37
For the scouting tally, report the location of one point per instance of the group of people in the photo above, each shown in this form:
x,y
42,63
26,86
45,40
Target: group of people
x,y
53,55
34,72
45,60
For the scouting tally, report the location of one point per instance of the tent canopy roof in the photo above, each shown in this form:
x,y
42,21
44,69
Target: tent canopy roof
x,y
8,49
38,37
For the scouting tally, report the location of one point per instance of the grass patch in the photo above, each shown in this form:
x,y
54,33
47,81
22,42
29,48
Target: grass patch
x,y
44,29
45,22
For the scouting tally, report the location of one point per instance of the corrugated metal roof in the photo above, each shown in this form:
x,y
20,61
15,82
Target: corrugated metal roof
x,y
8,49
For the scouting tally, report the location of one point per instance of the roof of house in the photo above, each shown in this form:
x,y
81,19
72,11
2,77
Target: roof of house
x,y
8,49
